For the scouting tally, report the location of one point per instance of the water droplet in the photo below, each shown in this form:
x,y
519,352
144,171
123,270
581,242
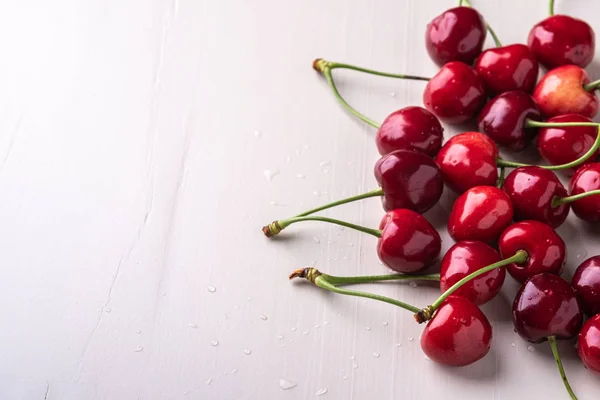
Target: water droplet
x,y
393,94
368,328
108,310
211,288
279,337
350,244
194,326
291,341
138,332
398,344
344,377
257,134
316,193
294,329
326,323
316,240
513,344
234,371
376,355
284,384
305,333
209,381
410,339
321,392
340,228
385,323
317,326
214,343
413,284
300,176
249,298
288,159
530,348
324,163
270,174
138,349
263,317
247,352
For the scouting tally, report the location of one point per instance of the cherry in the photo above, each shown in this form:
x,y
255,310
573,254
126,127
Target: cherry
x,y
586,180
532,191
546,250
455,94
466,257
468,160
455,35
586,282
412,128
481,213
565,90
503,119
507,68
588,343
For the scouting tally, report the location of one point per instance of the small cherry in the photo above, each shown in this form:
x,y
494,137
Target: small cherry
x,y
455,94
481,213
546,250
546,308
507,68
586,282
588,344
585,181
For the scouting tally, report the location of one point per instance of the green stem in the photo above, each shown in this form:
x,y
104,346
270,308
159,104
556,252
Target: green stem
x,y
372,193
501,178
552,341
334,65
557,201
551,7
277,226
590,87
489,28
350,280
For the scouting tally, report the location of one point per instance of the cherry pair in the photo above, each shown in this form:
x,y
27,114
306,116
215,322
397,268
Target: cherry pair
x,y
586,282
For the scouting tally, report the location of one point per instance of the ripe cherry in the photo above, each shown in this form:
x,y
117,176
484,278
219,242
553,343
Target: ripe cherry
x,y
481,213
455,35
455,94
533,191
586,180
503,119
507,68
546,250
586,282
588,343
412,128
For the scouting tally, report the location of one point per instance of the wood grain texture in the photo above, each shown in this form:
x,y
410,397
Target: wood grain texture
x,y
135,140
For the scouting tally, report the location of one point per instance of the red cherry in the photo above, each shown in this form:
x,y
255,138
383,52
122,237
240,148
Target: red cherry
x,y
561,145
586,178
481,213
503,119
531,190
561,40
465,258
409,179
412,128
408,242
455,35
468,160
455,94
458,334
588,343
561,92
546,250
546,306
507,68
586,282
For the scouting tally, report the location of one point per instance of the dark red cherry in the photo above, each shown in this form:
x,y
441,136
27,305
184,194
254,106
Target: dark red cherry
x,y
561,145
562,40
408,242
455,94
561,92
458,334
412,128
586,283
409,179
507,68
468,160
531,190
588,344
546,306
586,178
503,119
546,250
455,35
465,258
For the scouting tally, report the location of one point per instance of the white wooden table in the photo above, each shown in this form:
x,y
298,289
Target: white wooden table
x,y
143,144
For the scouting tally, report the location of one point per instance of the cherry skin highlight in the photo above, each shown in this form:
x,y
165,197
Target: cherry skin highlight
x,y
588,344
586,282
465,258
408,242
458,334
546,250
586,178
412,128
507,68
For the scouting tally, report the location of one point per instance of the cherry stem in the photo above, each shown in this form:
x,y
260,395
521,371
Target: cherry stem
x,y
426,313
350,280
277,226
551,7
501,178
590,87
313,275
552,341
558,201
467,3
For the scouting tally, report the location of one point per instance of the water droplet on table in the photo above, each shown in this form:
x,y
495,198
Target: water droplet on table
x,y
410,339
214,343
209,381
326,323
270,174
194,326
288,159
263,317
247,352
108,310
294,329
376,355
368,328
317,326
257,134
393,94
249,298
284,384
305,333
279,337
513,345
211,288
344,377
385,323
300,176
234,371
138,332
350,244
324,164
398,344
530,348
413,284
138,349
316,240
321,392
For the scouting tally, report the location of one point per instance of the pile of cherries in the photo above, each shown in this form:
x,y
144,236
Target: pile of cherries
x,y
500,224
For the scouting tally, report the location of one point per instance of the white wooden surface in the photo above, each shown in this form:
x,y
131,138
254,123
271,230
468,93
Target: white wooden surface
x,y
136,139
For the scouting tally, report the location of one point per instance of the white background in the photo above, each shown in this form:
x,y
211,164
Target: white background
x,y
136,138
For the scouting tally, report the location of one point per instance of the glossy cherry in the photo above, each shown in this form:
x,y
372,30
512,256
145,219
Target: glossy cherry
x,y
588,344
466,257
546,250
458,334
481,213
412,128
468,160
532,190
561,92
507,68
503,119
561,145
408,242
586,179
562,40
455,35
455,94
586,282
